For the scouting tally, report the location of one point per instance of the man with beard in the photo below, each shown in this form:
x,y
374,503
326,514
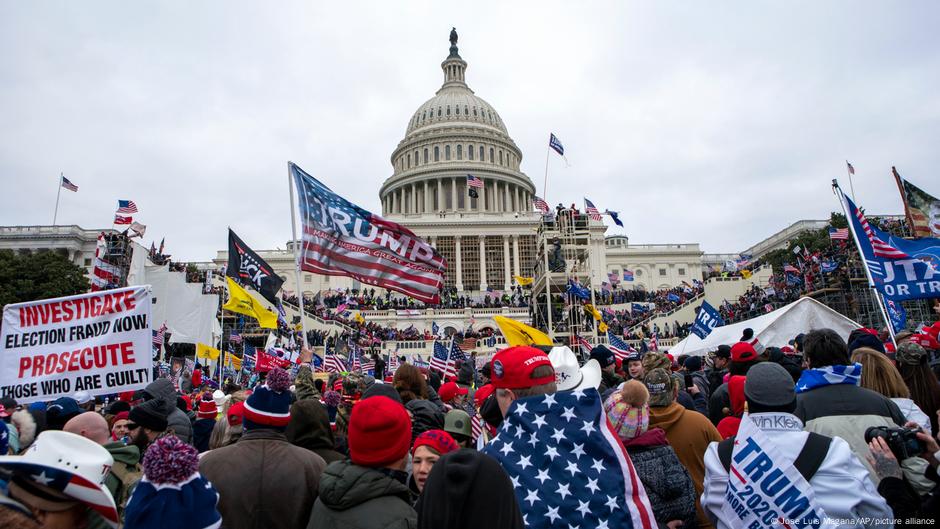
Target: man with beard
x,y
147,423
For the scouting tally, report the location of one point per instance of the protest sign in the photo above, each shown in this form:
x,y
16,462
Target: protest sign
x,y
98,342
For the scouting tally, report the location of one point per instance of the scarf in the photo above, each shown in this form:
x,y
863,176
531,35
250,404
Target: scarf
x,y
829,376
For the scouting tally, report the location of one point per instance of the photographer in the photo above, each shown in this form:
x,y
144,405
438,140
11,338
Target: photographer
x,y
902,498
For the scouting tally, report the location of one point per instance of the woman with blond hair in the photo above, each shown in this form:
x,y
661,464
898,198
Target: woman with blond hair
x,y
880,375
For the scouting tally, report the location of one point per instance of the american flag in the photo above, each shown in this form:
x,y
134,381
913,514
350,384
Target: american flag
x,y
540,204
467,344
840,234
333,363
365,247
654,343
473,181
158,336
68,185
476,427
392,363
620,348
120,219
567,466
442,360
234,337
591,210
879,247
849,166
126,206
368,364
790,268
584,344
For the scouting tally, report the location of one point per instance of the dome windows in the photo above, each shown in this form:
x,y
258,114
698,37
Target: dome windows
x,y
425,155
474,111
438,111
500,157
437,153
492,159
459,152
482,157
448,110
470,151
447,153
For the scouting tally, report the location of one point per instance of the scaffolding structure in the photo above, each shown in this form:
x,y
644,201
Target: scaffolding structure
x,y
562,257
115,255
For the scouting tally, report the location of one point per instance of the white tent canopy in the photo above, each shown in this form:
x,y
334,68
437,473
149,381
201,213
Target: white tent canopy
x,y
772,329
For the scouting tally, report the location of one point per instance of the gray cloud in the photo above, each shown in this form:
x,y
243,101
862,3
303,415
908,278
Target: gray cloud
x,y
711,122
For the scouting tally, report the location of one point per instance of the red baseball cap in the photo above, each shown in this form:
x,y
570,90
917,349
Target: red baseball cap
x,y
480,395
512,368
743,352
450,390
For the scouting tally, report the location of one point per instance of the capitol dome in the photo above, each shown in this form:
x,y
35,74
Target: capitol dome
x,y
452,135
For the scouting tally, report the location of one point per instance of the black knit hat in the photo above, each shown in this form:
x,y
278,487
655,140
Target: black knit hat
x,y
150,415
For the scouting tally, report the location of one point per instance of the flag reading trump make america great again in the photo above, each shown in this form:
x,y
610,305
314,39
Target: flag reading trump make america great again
x,y
342,239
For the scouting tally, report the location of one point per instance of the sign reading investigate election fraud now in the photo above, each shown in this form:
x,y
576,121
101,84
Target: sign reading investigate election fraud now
x,y
98,342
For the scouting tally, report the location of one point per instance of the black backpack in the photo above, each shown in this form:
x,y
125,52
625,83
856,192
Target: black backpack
x,y
807,462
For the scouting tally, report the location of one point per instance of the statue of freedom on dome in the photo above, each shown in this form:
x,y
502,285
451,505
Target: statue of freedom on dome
x,y
453,36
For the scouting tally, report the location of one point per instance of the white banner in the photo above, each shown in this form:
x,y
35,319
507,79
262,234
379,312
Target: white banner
x,y
764,488
99,342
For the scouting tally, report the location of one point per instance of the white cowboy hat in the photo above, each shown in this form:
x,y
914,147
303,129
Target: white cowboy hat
x,y
568,375
72,465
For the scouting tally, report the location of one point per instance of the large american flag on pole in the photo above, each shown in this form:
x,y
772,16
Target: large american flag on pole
x,y
333,363
342,239
567,466
879,247
540,204
473,181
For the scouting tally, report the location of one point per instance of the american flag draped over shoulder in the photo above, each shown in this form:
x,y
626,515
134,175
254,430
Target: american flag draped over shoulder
x,y
342,239
591,210
567,467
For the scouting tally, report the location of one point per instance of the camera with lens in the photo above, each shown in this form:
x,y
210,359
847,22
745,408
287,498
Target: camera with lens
x,y
903,442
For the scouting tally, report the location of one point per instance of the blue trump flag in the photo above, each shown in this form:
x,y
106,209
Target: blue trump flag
x,y
578,290
567,466
896,314
673,298
556,145
706,320
900,268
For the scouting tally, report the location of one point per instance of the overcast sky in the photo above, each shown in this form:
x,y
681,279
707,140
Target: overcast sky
x,y
711,122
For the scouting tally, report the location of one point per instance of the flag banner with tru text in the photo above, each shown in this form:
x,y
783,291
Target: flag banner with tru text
x,y
250,269
98,342
765,489
706,320
900,268
342,239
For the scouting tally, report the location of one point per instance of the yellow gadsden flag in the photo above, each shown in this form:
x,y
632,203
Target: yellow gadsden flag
x,y
206,352
524,281
746,274
518,333
244,303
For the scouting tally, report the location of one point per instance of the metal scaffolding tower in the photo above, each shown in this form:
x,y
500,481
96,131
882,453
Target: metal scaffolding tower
x,y
562,253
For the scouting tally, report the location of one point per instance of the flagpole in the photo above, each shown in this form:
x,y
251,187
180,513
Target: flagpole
x,y
907,210
851,185
545,184
293,228
861,254
55,215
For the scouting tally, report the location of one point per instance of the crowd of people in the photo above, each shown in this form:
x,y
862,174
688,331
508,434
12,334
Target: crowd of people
x,y
405,446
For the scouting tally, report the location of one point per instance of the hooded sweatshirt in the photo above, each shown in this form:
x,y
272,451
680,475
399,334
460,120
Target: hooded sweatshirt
x,y
309,428
689,433
361,497
162,389
468,490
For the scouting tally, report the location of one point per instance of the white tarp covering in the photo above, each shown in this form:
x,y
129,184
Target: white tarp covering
x,y
773,329
189,314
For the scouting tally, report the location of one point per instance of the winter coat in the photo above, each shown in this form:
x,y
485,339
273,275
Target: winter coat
x,y
264,482
162,389
666,481
846,411
715,377
355,497
841,484
309,428
689,433
719,400
202,430
700,379
425,416
912,412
